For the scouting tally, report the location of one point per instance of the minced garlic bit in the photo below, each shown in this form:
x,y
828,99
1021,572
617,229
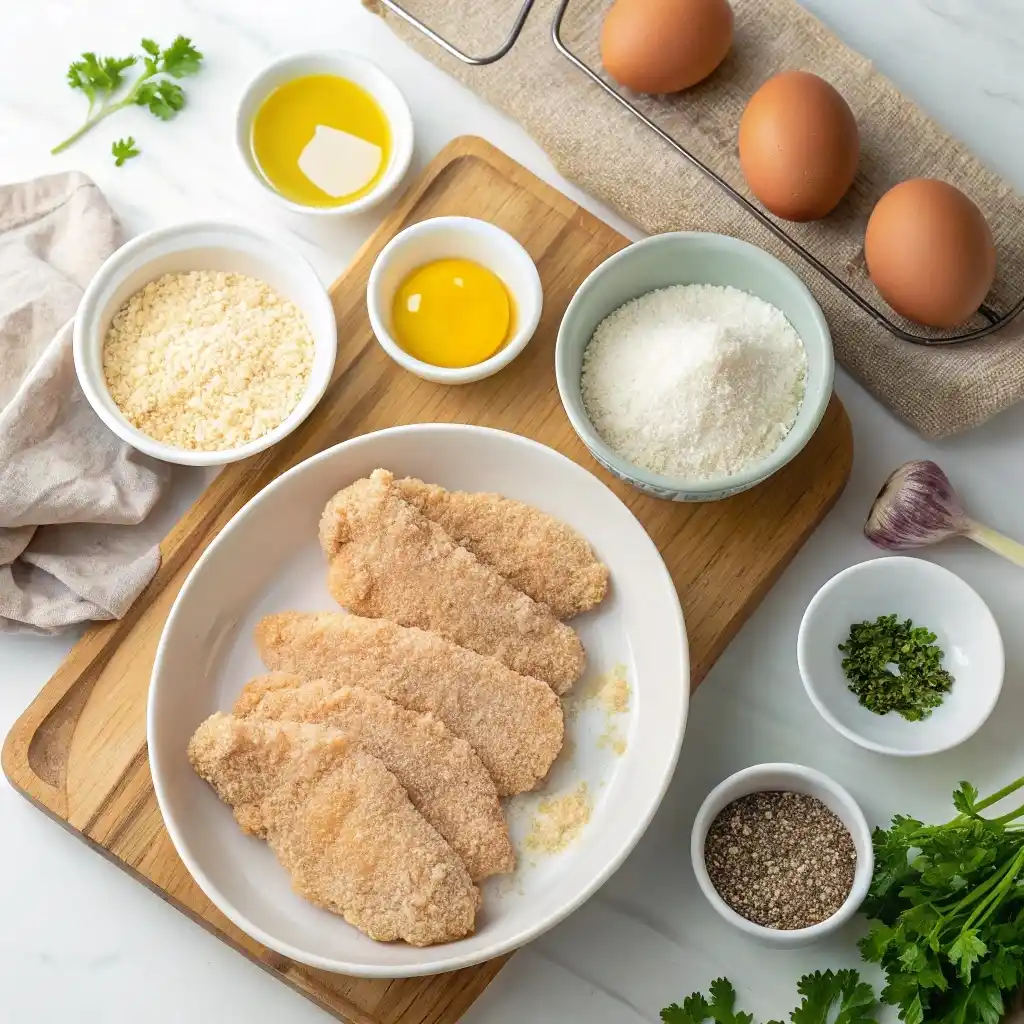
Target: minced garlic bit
x,y
207,360
559,821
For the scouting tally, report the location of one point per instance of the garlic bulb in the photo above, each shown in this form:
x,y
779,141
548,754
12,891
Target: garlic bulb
x,y
917,506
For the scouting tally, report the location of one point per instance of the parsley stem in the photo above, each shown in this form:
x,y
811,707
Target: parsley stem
x,y
992,901
1005,819
1000,794
949,911
984,891
106,109
90,123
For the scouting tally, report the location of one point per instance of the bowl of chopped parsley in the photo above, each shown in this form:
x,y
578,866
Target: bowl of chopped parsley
x,y
901,656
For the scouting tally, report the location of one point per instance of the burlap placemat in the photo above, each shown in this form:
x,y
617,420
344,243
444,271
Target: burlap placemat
x,y
611,155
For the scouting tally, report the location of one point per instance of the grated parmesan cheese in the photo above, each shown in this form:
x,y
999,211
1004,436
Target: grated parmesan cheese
x,y
694,381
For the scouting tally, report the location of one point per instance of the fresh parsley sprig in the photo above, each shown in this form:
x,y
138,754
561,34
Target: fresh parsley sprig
x,y
948,908
835,997
102,79
696,1009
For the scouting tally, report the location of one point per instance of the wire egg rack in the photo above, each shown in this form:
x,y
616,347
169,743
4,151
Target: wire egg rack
x,y
995,320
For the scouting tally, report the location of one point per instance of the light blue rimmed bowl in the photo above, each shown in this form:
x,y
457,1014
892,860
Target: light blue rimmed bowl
x,y
689,257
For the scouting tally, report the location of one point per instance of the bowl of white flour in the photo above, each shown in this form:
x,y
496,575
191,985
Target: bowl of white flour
x,y
694,366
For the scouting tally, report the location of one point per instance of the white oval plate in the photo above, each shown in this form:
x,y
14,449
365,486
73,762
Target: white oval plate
x,y
267,559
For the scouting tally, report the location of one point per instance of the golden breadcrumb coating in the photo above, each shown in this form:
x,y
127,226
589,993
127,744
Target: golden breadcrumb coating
x,y
538,554
442,774
387,560
341,824
513,722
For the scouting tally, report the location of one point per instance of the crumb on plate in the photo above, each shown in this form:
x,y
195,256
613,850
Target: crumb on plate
x,y
560,820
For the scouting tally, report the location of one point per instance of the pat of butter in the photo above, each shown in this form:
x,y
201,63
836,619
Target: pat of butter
x,y
339,163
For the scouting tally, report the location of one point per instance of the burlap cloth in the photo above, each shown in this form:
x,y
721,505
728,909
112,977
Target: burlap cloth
x,y
70,491
611,155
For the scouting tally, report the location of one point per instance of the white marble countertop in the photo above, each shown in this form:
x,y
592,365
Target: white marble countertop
x,y
80,940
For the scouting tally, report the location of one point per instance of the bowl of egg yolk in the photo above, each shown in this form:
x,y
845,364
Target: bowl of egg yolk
x,y
453,299
325,133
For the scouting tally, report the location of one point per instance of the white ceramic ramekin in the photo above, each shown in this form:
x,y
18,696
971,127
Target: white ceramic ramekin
x,y
792,778
450,238
355,69
200,245
928,595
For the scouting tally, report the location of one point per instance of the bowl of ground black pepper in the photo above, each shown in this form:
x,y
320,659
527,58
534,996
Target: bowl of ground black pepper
x,y
783,853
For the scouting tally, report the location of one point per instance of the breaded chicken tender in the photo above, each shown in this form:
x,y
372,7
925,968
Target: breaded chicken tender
x,y
341,824
513,722
388,560
538,554
442,774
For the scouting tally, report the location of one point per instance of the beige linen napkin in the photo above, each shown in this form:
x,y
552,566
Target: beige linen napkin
x,y
605,150
70,490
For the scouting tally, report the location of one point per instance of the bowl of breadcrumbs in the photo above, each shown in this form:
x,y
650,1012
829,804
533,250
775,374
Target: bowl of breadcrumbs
x,y
204,343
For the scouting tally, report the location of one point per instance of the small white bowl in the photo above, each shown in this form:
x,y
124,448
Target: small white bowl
x,y
791,778
452,238
200,245
687,258
931,596
356,69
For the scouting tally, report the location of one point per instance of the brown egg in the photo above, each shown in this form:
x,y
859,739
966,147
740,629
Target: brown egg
x,y
799,146
659,46
929,252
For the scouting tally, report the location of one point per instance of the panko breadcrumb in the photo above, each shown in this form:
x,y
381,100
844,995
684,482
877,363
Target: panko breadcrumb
x,y
207,360
608,691
559,821
615,692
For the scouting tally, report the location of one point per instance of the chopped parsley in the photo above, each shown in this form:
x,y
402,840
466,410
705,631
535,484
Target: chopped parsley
x,y
895,666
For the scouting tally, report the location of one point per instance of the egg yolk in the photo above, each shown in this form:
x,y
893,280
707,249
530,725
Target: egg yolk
x,y
452,313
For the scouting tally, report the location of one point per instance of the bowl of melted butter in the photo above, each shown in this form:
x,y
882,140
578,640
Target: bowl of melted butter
x,y
454,299
325,133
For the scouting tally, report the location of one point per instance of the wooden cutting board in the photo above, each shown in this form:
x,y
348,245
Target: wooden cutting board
x,y
79,751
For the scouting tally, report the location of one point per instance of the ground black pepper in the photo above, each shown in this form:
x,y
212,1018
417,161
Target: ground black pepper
x,y
781,860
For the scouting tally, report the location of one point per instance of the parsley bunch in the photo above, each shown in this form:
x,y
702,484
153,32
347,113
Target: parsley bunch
x,y
948,904
838,997
101,79
918,687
